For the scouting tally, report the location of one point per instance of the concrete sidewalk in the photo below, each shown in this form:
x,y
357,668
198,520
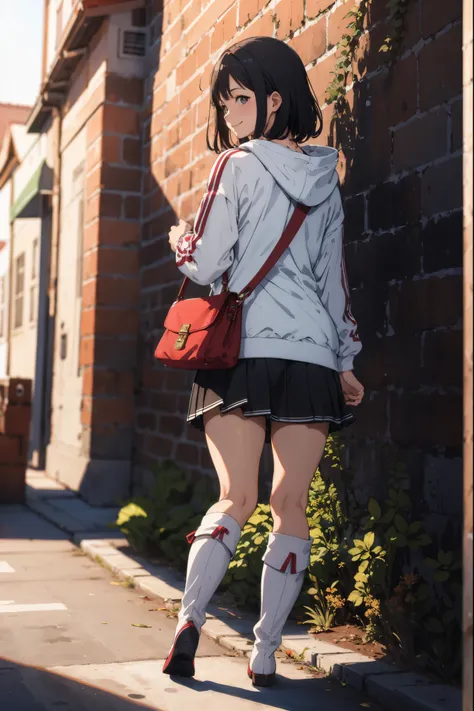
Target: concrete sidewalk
x,y
230,628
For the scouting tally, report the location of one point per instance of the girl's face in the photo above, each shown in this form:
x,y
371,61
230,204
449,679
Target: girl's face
x,y
240,110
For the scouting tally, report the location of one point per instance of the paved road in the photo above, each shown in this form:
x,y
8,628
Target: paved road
x,y
69,640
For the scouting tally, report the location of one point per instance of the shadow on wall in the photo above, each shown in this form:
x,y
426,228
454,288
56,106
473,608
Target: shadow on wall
x,y
399,137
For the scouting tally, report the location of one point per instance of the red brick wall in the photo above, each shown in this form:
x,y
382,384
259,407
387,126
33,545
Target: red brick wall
x,y
400,144
110,296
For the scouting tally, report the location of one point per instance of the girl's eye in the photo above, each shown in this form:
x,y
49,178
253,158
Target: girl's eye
x,y
241,96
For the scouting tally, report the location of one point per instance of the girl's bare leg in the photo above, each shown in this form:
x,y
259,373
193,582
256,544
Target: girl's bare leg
x,y
297,451
235,444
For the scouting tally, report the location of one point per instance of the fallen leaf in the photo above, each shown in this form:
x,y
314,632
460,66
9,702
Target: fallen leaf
x,y
114,582
140,625
105,623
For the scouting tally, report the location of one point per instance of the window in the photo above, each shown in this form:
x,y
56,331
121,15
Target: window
x,y
2,307
19,290
34,285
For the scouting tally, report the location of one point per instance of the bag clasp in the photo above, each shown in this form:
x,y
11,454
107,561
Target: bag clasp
x,y
182,336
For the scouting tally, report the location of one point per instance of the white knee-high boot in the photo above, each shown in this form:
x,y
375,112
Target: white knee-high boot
x,y
285,561
212,548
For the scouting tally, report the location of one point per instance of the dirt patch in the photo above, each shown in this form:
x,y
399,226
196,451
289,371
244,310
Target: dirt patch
x,y
351,637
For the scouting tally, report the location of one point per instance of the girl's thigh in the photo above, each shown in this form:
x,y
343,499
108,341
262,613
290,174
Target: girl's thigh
x,y
297,452
235,444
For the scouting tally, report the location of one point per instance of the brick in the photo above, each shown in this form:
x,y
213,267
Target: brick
x,y
435,16
425,304
338,22
443,243
392,361
160,446
426,420
187,454
119,233
111,146
171,426
420,141
371,417
395,204
117,353
442,359
12,483
115,322
17,420
108,382
132,151
445,54
354,217
385,257
369,306
315,7
95,126
125,179
121,119
289,17
117,291
394,93
456,126
110,441
117,411
146,421
107,260
121,89
131,207
311,44
442,187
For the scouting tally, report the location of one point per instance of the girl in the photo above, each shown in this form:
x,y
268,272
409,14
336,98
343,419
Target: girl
x,y
294,378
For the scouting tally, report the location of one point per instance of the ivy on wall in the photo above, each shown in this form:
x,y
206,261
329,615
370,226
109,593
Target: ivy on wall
x,y
350,40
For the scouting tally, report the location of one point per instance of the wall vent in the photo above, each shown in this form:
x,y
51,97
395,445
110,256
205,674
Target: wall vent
x,y
132,43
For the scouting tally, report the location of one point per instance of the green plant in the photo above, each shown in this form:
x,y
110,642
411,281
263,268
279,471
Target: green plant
x,y
350,41
158,523
245,569
326,606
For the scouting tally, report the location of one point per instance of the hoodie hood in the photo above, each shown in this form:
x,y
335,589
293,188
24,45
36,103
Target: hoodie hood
x,y
308,177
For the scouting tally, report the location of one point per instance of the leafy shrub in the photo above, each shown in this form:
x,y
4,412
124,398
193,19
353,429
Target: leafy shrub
x,y
158,523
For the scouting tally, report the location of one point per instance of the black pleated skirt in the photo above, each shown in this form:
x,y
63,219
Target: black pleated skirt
x,y
281,390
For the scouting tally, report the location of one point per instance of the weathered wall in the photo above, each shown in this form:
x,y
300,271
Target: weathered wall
x,y
103,108
400,146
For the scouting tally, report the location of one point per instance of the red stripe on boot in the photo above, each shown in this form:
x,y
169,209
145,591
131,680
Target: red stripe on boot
x,y
291,558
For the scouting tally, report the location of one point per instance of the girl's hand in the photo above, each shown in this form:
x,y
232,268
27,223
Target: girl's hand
x,y
176,233
352,389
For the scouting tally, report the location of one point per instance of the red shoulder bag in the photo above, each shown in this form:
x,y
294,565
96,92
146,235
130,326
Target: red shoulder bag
x,y
205,333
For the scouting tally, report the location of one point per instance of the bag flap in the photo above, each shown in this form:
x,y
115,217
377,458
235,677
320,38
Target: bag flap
x,y
198,313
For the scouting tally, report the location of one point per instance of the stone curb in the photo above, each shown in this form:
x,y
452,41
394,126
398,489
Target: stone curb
x,y
233,631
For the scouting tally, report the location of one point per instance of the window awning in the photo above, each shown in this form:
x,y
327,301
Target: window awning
x,y
28,203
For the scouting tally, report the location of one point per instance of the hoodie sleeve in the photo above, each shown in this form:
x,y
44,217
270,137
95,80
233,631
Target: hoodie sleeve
x,y
204,253
333,287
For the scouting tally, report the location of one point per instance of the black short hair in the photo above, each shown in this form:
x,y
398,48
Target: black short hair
x,y
265,65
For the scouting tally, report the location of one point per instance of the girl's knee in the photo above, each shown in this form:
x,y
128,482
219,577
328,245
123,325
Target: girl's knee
x,y
288,503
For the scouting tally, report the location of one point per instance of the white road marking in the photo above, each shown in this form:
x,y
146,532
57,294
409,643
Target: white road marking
x,y
5,567
8,606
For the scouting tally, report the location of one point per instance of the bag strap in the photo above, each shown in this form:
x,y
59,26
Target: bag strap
x,y
285,240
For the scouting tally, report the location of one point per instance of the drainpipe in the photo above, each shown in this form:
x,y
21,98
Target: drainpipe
x,y
468,380
50,331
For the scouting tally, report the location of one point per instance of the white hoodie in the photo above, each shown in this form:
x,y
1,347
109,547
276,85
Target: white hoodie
x,y
301,309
